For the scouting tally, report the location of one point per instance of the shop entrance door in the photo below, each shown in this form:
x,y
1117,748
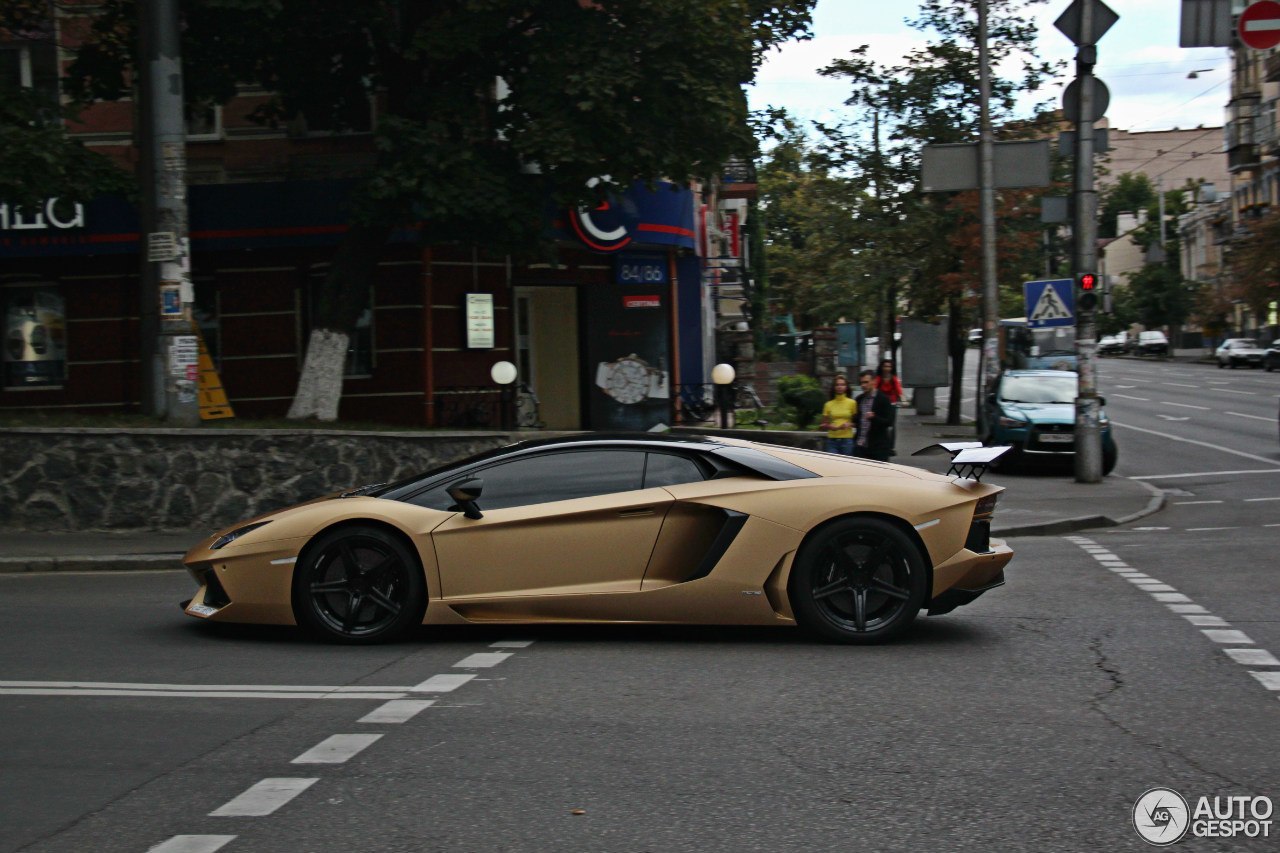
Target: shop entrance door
x,y
547,357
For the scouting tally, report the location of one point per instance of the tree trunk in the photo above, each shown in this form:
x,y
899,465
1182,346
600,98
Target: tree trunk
x,y
341,299
957,337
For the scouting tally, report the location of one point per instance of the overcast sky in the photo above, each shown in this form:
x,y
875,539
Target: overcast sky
x,y
1138,59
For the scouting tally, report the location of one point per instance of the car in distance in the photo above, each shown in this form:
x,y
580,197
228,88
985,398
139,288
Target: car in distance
x,y
1271,358
1237,351
1034,412
1111,345
975,337
1152,343
615,528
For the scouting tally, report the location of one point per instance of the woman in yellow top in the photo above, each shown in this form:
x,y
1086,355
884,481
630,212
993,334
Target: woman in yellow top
x,y
837,417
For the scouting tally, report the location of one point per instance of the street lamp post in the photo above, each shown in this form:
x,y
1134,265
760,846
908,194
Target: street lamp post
x,y
723,375
504,374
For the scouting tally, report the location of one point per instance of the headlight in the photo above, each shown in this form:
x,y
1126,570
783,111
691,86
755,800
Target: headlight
x,y
1014,423
228,538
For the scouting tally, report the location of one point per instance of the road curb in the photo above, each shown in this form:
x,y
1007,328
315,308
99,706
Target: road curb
x,y
96,563
1070,525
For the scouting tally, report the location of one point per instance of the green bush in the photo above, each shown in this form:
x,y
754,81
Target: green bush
x,y
802,399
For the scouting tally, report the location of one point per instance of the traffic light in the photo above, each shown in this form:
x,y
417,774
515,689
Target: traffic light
x,y
1088,288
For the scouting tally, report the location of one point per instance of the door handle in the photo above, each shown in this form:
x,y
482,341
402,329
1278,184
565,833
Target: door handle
x,y
636,513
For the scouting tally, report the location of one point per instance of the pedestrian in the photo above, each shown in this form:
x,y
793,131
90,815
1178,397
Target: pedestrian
x,y
887,383
871,440
837,417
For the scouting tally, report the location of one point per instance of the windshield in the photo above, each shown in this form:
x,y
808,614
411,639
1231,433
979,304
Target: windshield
x,y
1057,340
1245,343
1039,389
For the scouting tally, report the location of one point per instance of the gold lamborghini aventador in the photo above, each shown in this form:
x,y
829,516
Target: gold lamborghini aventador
x,y
615,528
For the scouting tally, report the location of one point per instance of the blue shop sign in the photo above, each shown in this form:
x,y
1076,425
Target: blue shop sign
x,y
641,269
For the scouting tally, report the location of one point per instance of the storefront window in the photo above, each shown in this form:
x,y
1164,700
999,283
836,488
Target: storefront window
x,y
35,339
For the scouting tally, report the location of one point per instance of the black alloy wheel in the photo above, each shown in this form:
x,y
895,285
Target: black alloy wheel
x,y
359,585
859,580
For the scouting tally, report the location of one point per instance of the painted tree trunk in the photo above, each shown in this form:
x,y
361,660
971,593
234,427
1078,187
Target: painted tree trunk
x,y
320,385
341,299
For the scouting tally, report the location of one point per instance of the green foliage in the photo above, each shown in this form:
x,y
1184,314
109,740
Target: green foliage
x,y
1255,265
40,161
1131,192
802,399
665,104
1160,296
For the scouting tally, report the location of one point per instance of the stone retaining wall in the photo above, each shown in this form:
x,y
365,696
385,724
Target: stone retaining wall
x,y
177,479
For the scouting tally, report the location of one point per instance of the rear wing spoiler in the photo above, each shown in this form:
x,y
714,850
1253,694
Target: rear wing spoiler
x,y
969,459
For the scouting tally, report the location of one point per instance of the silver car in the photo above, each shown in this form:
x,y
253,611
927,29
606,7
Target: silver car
x,y
1237,351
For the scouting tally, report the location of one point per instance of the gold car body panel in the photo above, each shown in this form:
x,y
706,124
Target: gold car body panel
x,y
624,557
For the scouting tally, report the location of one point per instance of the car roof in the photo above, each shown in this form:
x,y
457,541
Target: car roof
x,y
1040,372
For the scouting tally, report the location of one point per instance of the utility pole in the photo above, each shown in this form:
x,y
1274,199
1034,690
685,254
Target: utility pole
x,y
1084,22
987,211
168,348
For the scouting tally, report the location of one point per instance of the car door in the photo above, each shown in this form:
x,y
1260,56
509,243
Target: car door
x,y
556,523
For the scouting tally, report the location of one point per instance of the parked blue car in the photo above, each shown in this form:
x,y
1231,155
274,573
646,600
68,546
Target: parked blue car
x,y
1034,411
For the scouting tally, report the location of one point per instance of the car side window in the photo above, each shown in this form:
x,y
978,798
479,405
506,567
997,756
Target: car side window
x,y
548,477
667,469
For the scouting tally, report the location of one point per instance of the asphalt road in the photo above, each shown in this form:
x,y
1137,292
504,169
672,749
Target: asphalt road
x,y
1030,720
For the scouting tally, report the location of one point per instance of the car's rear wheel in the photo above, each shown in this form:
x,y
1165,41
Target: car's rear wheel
x,y
859,580
358,585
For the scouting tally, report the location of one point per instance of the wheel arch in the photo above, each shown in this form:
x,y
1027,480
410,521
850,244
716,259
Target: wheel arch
x,y
911,533
379,524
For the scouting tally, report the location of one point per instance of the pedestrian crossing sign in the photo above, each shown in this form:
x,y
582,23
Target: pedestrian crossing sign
x,y
1050,303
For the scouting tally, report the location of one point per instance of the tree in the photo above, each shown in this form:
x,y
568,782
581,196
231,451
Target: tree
x,y
1130,193
487,110
40,161
1160,296
1255,265
933,97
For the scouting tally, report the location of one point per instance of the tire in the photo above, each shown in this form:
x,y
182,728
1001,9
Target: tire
x,y
1109,459
858,580
1220,364
358,585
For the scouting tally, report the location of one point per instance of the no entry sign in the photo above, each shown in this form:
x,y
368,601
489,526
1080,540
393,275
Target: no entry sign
x,y
1260,25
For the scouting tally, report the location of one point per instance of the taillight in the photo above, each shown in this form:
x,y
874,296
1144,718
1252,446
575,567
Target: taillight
x,y
986,505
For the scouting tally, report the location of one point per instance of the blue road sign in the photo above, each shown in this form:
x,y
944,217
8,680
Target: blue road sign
x,y
1050,303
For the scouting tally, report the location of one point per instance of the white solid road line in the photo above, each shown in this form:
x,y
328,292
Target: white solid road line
x,y
482,660
397,711
264,798
207,688
1197,443
193,844
1205,474
336,749
190,694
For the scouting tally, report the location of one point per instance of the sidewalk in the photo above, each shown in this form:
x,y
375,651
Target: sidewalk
x,y
1034,504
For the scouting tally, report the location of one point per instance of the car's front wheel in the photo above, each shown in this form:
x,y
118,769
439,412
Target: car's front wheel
x,y
858,580
358,585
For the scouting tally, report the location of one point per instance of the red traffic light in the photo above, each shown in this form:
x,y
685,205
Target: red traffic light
x,y
1088,281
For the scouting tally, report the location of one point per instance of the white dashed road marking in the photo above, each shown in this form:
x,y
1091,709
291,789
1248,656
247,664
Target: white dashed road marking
x,y
482,660
264,798
445,683
1213,627
336,749
397,711
193,844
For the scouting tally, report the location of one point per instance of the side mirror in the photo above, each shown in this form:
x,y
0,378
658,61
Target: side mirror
x,y
465,493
